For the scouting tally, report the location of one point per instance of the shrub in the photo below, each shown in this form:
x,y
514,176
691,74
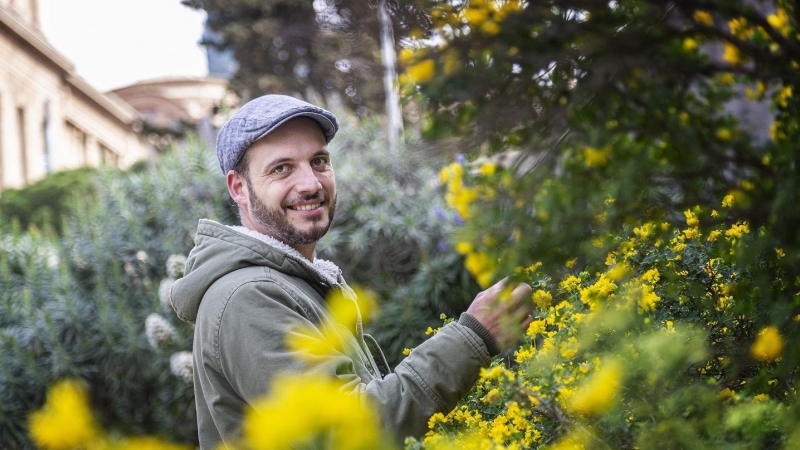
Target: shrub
x,y
45,202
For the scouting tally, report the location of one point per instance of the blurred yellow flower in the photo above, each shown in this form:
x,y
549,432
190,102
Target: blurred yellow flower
x,y
760,398
475,16
780,21
481,267
647,302
344,311
732,54
406,56
599,392
768,345
596,157
307,409
727,201
65,421
740,28
782,99
488,168
148,443
704,18
490,28
464,247
423,71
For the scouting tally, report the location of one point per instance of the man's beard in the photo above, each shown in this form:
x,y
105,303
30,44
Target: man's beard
x,y
276,224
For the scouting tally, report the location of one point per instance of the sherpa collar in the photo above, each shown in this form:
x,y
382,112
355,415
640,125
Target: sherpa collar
x,y
326,269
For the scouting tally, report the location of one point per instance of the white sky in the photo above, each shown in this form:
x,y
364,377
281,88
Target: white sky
x,y
114,43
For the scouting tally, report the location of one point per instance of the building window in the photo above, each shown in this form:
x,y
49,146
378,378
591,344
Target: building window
x,y
48,157
109,157
23,144
78,143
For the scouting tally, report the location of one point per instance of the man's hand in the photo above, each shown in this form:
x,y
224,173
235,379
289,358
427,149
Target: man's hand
x,y
507,316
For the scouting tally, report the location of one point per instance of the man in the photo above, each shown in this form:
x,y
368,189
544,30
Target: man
x,y
247,287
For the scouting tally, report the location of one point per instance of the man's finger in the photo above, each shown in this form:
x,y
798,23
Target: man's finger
x,y
521,294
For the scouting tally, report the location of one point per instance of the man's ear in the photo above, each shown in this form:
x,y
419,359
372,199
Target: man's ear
x,y
237,187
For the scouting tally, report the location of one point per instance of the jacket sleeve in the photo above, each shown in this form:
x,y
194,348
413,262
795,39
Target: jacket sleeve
x,y
433,378
252,349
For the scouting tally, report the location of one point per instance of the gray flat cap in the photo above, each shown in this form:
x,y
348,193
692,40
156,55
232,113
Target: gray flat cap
x,y
259,117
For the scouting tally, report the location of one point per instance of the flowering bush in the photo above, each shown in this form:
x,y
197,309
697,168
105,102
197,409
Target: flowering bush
x,y
648,349
652,150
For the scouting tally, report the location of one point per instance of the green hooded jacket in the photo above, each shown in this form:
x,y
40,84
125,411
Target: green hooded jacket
x,y
245,292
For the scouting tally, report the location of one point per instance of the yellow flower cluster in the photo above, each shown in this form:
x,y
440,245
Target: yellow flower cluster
x,y
461,197
310,410
648,300
542,298
737,230
458,195
487,15
568,371
66,422
603,288
509,429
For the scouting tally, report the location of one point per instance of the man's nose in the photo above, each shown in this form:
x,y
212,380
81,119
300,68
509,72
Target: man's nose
x,y
307,181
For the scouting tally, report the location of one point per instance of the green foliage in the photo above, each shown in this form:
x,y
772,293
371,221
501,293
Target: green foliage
x,y
43,203
75,306
630,131
300,47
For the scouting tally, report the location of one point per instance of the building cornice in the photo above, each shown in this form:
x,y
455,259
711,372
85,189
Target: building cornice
x,y
124,112
107,102
36,40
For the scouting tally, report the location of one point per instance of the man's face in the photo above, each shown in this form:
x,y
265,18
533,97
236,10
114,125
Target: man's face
x,y
290,184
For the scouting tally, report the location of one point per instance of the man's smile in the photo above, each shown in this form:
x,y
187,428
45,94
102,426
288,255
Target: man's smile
x,y
307,207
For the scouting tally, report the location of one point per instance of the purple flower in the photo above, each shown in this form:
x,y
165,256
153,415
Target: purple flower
x,y
461,159
457,220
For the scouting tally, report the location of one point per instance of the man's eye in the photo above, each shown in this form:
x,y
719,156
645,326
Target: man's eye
x,y
280,169
321,161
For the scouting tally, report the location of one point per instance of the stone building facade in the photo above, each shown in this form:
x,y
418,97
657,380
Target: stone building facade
x,y
51,119
177,104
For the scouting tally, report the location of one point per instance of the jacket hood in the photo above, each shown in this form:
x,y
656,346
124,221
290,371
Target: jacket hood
x,y
221,249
